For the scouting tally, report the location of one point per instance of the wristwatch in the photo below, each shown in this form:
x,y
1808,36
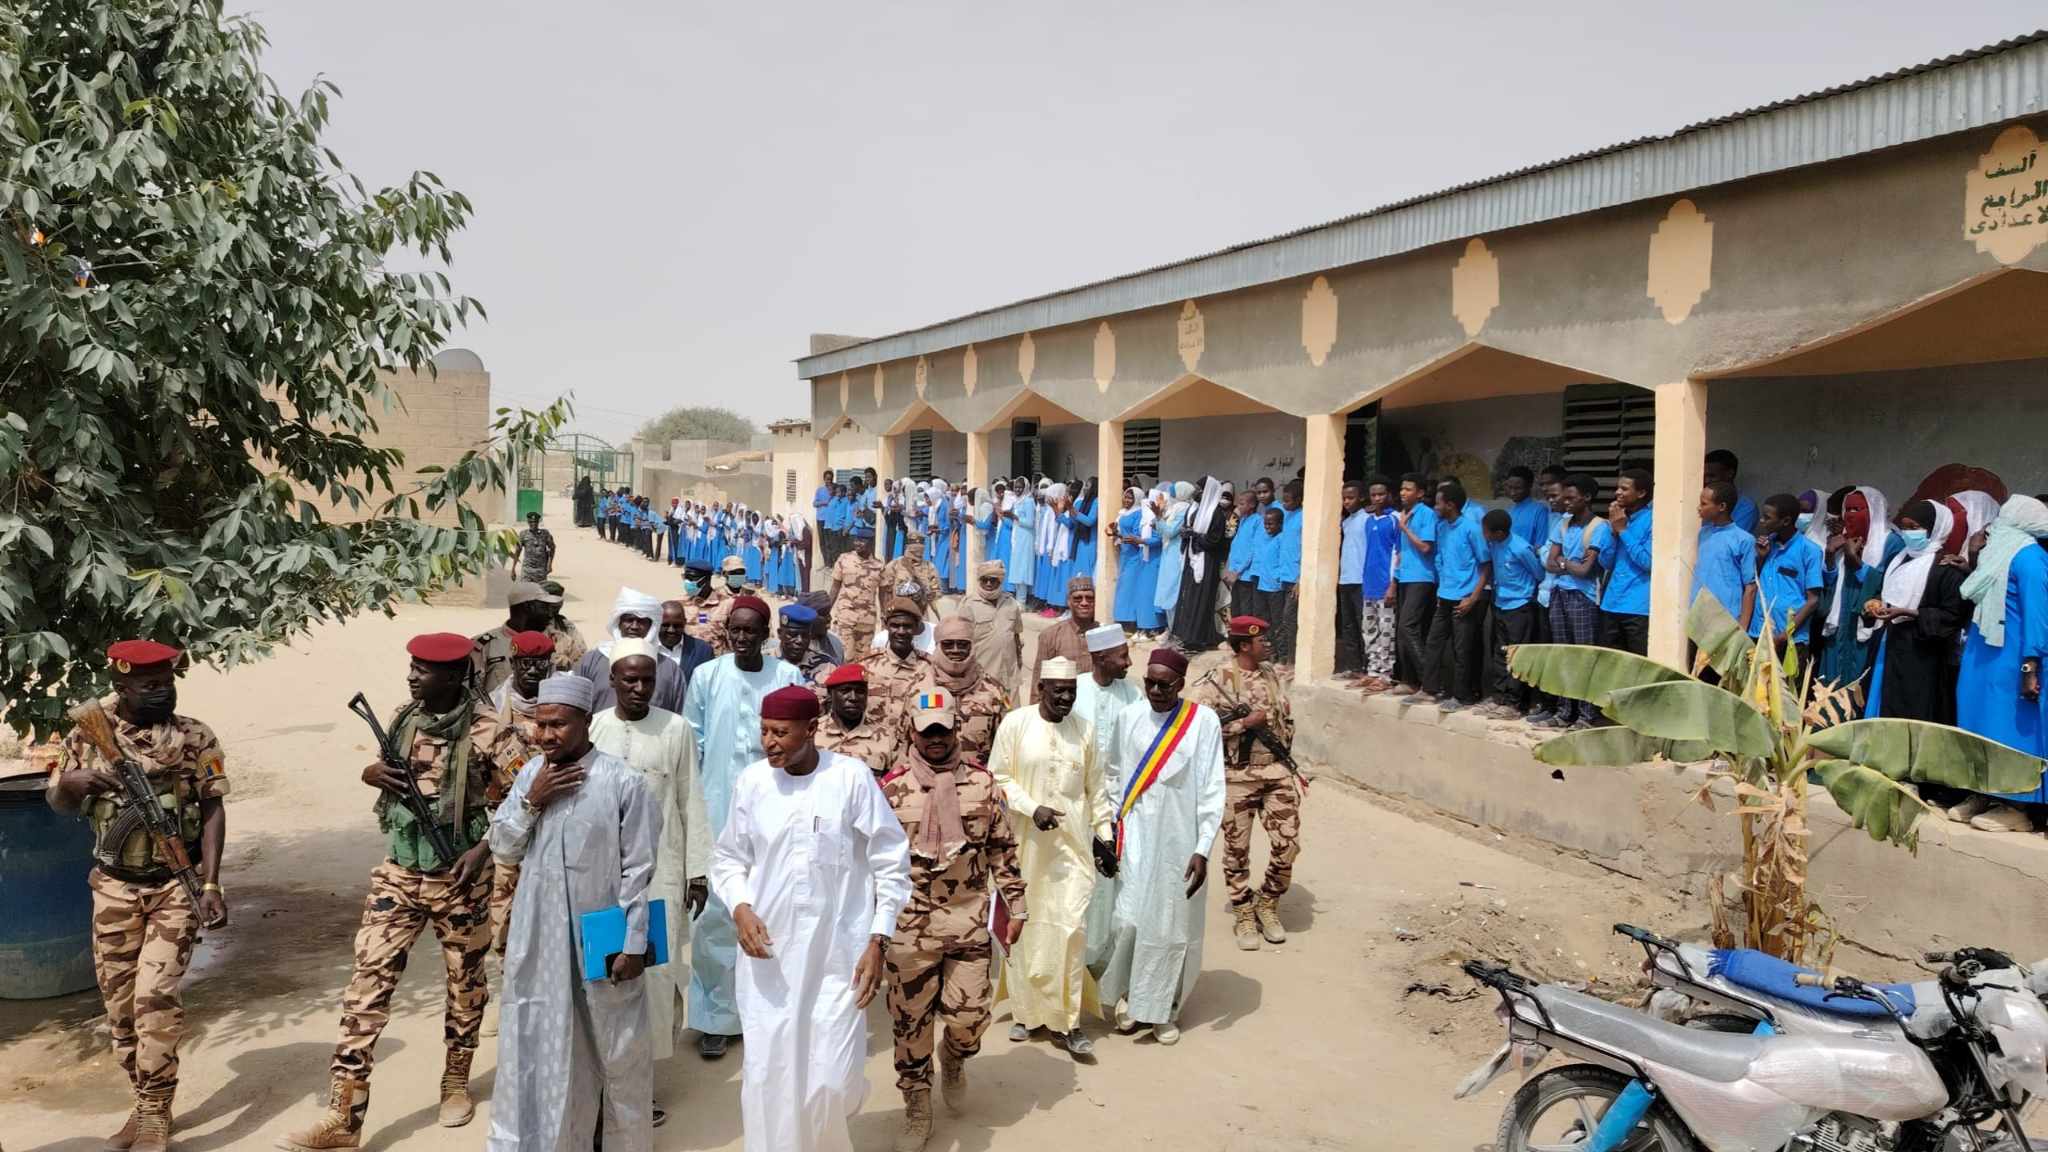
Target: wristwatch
x,y
209,887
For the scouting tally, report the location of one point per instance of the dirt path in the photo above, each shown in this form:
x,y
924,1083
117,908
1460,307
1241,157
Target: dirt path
x,y
1313,1044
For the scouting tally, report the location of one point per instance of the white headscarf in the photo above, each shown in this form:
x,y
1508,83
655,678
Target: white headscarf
x,y
1906,579
2022,521
1062,532
1979,510
631,602
1873,553
1212,495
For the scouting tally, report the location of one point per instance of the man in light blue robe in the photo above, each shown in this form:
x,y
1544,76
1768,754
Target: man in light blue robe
x,y
723,709
1100,696
1023,559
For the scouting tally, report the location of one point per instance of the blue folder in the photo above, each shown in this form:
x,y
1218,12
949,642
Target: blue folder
x,y
604,936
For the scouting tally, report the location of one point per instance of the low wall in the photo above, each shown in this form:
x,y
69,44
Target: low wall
x,y
1963,887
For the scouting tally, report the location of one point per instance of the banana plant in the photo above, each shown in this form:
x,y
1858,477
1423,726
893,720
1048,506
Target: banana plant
x,y
1769,729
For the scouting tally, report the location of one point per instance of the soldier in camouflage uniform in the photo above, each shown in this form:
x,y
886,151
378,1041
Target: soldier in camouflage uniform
x,y
533,657
979,700
445,727
1258,783
529,607
569,645
937,963
913,568
847,727
144,921
793,641
856,596
732,578
897,668
701,597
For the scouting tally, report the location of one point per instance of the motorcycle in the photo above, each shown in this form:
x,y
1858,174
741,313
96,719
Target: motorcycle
x,y
1907,1080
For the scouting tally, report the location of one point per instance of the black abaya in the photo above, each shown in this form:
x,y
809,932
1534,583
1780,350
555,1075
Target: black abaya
x,y
1194,614
1920,654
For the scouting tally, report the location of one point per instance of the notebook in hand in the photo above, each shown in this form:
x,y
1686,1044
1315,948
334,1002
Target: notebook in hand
x,y
604,936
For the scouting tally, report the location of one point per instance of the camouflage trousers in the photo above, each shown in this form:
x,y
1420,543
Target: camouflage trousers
x,y
504,881
403,903
142,937
857,635
1273,800
936,982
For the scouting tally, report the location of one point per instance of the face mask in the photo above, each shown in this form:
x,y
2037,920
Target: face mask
x,y
156,705
736,583
1914,538
693,587
1805,519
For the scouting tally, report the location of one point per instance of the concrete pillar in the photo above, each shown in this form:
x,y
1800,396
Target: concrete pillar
x,y
885,459
977,483
1680,462
1109,465
1322,487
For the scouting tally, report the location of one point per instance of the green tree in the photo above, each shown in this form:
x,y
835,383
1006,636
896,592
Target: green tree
x,y
194,316
698,423
1771,733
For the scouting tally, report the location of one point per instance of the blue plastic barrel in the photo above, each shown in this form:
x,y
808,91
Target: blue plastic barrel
x,y
45,906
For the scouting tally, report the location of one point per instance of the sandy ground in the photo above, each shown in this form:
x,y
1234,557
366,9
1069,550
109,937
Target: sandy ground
x,y
1351,1035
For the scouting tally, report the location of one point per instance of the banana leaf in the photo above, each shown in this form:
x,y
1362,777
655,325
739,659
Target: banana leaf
x,y
1583,672
1617,747
1694,710
1932,754
1724,643
1876,803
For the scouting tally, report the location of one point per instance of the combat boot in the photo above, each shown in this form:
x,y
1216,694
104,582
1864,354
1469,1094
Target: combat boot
x,y
1267,910
152,1121
340,1126
124,1139
953,1081
1247,927
456,1105
917,1120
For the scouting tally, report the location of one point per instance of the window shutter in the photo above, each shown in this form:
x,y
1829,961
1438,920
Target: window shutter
x,y
1141,449
1605,427
921,454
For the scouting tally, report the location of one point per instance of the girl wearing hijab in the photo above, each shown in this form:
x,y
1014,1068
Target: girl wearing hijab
x,y
996,546
1055,548
1860,545
1998,691
1207,542
1133,560
1916,616
957,512
1173,522
1085,522
1023,517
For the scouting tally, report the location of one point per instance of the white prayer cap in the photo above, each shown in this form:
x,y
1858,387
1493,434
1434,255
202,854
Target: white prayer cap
x,y
567,688
630,647
1105,637
1059,668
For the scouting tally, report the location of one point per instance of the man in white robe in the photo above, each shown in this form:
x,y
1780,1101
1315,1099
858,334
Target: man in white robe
x,y
582,826
816,868
657,745
1059,801
1103,692
723,709
1169,755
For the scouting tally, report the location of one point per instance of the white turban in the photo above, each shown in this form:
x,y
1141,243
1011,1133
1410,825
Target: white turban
x,y
631,602
575,691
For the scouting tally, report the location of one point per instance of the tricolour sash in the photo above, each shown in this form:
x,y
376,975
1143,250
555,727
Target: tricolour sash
x,y
1149,766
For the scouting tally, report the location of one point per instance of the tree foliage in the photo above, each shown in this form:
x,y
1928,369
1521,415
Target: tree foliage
x,y
697,423
194,317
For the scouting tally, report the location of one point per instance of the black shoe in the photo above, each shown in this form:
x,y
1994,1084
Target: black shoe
x,y
711,1046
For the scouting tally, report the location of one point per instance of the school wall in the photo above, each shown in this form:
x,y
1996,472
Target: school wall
x,y
1238,448
1642,821
1474,441
949,455
1059,443
1884,429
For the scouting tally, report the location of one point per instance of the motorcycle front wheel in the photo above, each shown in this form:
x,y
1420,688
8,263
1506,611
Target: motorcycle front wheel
x,y
1558,1110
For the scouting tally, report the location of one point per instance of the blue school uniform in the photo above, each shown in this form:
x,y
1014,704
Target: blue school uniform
x,y
1784,576
1530,519
1417,567
1726,565
1627,558
1087,521
1516,573
1988,700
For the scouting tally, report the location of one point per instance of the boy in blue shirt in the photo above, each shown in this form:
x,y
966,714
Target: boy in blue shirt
x,y
1516,574
1237,569
1265,571
1721,467
1726,565
1528,513
1464,567
1626,555
1415,576
1789,575
1288,622
1573,560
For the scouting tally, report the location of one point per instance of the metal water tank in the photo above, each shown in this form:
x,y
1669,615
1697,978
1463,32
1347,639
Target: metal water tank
x,y
45,906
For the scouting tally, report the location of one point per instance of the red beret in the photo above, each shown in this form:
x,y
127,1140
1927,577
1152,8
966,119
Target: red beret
x,y
846,674
128,655
791,703
754,602
441,647
1246,627
1168,658
532,644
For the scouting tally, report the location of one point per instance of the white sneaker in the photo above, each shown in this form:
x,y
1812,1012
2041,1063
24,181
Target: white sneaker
x,y
1125,1025
1969,809
1167,1034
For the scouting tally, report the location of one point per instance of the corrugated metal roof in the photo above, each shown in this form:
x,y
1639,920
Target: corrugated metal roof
x,y
1958,93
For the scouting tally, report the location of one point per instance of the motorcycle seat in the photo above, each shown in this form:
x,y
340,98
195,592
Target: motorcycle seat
x,y
1721,1057
1767,975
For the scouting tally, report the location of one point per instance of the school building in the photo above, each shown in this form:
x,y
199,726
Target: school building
x,y
1845,287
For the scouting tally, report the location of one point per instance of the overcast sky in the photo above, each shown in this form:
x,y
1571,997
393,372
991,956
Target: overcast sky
x,y
671,196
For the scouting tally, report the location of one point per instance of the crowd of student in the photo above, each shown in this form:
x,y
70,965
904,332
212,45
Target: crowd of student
x,y
1936,612
698,537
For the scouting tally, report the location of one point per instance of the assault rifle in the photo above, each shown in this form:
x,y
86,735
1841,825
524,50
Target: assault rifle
x,y
394,759
1282,754
139,803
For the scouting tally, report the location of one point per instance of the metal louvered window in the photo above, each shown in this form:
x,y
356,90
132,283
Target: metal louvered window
x,y
921,454
1607,427
1141,449
789,485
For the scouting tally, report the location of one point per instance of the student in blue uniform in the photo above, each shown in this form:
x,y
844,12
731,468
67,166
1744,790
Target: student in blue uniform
x,y
1721,467
1726,564
1415,575
1464,567
1626,555
1789,576
1516,574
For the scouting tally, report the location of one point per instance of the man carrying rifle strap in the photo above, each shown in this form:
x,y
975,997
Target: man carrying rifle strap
x,y
1260,779
457,755
145,916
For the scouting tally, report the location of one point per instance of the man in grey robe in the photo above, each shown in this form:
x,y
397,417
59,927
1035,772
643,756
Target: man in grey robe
x,y
582,826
